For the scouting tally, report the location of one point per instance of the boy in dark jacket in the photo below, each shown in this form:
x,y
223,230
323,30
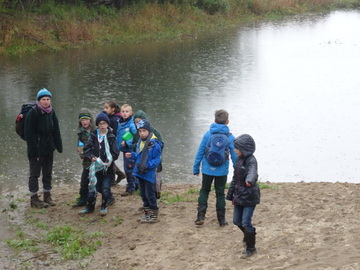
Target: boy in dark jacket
x,y
86,126
216,173
147,158
42,134
102,150
244,191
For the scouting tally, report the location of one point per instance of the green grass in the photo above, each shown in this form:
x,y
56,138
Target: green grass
x,y
72,243
188,196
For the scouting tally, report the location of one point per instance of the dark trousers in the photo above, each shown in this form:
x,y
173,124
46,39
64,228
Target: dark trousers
x,y
84,183
132,182
148,193
220,182
44,165
103,185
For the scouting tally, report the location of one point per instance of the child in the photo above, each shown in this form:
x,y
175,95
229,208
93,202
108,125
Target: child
x,y
86,126
141,115
210,172
124,138
113,112
244,191
148,157
102,150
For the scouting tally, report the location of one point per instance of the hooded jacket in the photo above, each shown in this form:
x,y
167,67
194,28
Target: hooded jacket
x,y
125,125
200,156
245,171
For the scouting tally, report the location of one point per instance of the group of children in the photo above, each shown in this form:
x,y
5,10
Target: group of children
x,y
99,146
121,131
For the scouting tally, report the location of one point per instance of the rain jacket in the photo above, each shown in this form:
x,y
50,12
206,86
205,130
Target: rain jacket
x,y
245,171
153,160
200,156
124,126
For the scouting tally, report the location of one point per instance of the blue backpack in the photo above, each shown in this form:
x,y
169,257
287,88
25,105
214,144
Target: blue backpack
x,y
217,150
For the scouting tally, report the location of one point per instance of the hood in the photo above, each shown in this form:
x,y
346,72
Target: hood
x,y
87,111
219,128
246,144
140,114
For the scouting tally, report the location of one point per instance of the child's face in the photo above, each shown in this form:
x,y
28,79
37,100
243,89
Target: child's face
x,y
137,120
103,125
143,133
126,112
238,152
85,123
108,109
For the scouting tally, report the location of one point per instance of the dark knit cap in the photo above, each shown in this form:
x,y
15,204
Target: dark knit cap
x,y
102,117
145,124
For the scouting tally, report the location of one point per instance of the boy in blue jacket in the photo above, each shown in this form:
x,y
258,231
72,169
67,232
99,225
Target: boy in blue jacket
x,y
147,158
214,172
124,138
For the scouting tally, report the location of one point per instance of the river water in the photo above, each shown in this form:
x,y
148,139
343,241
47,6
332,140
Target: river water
x,y
292,84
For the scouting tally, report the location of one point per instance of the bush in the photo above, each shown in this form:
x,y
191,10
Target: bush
x,y
214,6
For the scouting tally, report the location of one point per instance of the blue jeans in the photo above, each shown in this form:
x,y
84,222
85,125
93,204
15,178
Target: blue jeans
x,y
148,193
132,182
103,186
243,216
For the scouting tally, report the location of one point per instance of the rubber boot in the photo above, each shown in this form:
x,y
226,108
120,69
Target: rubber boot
x,y
103,210
80,202
221,217
90,207
250,238
48,199
243,230
201,214
35,202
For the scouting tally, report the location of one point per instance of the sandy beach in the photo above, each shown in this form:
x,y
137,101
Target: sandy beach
x,y
299,226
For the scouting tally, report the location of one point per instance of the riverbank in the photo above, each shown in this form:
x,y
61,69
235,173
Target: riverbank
x,y
53,27
299,226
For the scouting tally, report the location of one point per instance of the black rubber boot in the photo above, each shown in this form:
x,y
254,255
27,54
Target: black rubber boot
x,y
221,217
243,230
250,238
201,214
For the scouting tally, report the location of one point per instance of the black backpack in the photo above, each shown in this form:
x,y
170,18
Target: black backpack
x,y
217,150
20,119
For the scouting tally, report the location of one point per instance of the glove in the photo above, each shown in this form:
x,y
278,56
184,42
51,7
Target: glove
x,y
142,170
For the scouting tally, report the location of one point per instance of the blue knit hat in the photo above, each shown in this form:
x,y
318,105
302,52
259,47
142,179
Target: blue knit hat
x,y
43,93
102,117
145,124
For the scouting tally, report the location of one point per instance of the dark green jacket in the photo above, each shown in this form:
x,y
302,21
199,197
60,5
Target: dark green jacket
x,y
42,133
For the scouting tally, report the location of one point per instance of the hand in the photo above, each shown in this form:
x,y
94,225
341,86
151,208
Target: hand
x,y
196,174
248,184
93,159
123,144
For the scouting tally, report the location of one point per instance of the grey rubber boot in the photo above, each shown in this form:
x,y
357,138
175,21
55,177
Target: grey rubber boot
x,y
201,214
35,202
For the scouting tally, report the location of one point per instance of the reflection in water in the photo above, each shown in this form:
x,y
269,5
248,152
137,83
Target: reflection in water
x,y
290,84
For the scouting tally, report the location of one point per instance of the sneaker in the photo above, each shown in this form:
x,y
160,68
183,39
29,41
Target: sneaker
x,y
79,203
86,211
111,201
127,193
103,212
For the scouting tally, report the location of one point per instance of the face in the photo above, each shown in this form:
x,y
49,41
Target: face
x,y
137,120
85,123
108,109
238,153
126,112
103,125
45,102
143,133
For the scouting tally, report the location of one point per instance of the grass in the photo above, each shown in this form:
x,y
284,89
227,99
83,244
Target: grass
x,y
57,26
